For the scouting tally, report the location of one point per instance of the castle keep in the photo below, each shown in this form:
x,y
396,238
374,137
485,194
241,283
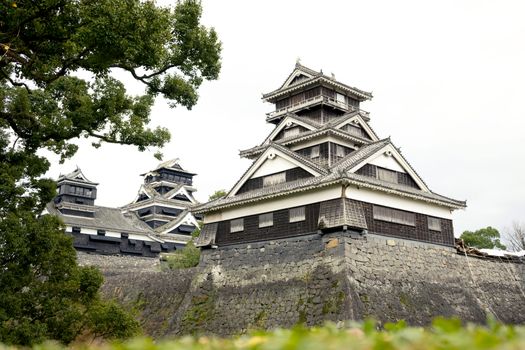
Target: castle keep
x,y
323,169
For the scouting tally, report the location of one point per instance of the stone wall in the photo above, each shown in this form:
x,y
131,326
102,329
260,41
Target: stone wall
x,y
116,264
315,278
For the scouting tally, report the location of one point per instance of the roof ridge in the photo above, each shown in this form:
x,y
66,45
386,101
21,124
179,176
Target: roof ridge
x,y
370,148
300,157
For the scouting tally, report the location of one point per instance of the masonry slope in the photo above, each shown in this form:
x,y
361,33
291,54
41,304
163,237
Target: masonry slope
x,y
311,279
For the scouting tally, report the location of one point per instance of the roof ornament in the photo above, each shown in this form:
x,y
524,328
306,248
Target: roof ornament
x,y
332,75
297,61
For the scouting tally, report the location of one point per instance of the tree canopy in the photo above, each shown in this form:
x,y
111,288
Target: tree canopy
x,y
217,194
56,85
487,237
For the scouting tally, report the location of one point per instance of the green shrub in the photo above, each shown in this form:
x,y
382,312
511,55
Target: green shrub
x,y
183,258
443,334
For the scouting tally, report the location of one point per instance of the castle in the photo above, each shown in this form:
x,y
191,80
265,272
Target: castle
x,y
324,169
157,220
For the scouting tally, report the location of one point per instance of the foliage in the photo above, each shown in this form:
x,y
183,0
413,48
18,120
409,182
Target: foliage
x,y
217,194
516,236
56,61
443,334
487,237
186,257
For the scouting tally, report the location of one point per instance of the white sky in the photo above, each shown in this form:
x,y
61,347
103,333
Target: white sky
x,y
447,78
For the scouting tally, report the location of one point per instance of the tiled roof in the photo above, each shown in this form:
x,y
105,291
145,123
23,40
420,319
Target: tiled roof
x,y
173,223
359,155
110,219
338,173
317,77
328,129
172,164
342,212
77,176
207,235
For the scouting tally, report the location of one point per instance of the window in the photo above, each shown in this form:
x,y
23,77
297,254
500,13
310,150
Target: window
x,y
80,191
387,175
265,220
314,152
297,214
394,215
355,130
101,232
236,225
434,224
340,97
339,151
291,132
75,229
274,179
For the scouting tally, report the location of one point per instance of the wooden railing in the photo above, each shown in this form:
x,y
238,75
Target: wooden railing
x,y
311,100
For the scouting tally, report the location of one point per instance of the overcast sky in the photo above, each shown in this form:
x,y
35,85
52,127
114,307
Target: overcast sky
x,y
447,78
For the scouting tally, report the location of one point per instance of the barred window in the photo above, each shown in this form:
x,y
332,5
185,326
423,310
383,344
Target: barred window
x,y
80,191
387,175
339,151
291,132
274,179
297,214
314,152
355,130
266,220
394,215
236,225
434,224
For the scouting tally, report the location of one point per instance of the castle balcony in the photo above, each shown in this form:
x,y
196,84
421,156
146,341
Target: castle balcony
x,y
308,103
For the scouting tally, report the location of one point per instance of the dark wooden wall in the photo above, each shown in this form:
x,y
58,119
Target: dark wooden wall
x,y
283,228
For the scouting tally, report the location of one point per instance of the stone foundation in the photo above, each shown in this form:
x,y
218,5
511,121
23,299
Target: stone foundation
x,y
315,278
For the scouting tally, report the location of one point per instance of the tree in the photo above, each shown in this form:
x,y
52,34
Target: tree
x,y
186,257
487,237
217,194
516,236
56,85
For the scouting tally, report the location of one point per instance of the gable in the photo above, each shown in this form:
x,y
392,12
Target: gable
x,y
272,166
356,126
297,76
388,164
287,123
184,195
273,161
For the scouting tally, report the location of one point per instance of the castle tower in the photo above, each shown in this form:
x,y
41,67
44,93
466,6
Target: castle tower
x,y
323,168
164,201
76,194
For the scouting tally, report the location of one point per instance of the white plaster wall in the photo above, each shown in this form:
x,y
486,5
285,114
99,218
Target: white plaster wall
x,y
276,204
272,166
387,162
393,201
90,231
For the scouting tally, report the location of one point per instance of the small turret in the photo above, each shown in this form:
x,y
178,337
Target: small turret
x,y
76,194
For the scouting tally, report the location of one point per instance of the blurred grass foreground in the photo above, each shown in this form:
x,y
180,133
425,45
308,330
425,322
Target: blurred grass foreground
x,y
443,334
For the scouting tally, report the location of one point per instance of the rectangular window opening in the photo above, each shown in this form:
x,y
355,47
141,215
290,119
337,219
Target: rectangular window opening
x,y
315,152
394,215
387,175
265,220
236,225
297,214
434,224
274,179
